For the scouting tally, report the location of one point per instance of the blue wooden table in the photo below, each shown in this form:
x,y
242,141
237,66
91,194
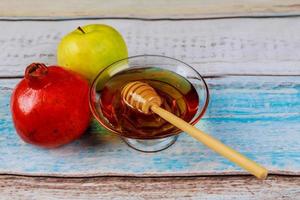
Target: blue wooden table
x,y
258,116
252,68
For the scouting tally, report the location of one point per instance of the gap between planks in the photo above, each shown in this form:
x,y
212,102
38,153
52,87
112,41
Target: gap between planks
x,y
205,76
74,176
57,18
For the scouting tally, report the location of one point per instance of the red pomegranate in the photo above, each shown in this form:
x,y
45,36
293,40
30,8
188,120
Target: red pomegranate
x,y
50,106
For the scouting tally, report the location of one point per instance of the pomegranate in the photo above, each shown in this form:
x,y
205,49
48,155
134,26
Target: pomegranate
x,y
50,106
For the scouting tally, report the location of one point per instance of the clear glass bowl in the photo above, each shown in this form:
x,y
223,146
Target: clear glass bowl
x,y
146,61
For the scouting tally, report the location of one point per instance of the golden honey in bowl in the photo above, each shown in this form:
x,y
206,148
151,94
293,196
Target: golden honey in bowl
x,y
178,96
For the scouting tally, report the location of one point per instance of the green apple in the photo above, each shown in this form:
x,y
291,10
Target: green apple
x,y
89,49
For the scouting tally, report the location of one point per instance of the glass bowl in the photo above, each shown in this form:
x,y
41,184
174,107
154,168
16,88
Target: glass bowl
x,y
140,62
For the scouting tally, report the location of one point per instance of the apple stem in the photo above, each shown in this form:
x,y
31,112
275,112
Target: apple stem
x,y
79,28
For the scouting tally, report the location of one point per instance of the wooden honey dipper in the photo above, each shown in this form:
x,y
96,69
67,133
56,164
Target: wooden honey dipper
x,y
143,97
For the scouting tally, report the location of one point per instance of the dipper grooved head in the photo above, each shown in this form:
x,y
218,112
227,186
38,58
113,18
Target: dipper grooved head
x,y
140,96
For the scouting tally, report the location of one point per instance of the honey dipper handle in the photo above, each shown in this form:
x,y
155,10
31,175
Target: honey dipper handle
x,y
244,162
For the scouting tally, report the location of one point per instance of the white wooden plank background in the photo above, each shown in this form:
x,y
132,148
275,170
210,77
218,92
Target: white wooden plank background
x,y
148,9
213,47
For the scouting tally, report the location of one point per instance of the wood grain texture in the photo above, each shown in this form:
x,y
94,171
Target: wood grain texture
x,y
271,46
147,9
224,187
257,116
213,47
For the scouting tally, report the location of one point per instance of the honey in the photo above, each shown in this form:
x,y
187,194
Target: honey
x,y
177,93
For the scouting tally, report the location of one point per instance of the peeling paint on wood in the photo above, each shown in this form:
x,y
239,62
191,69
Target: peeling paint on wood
x,y
148,9
218,187
213,47
258,116
263,120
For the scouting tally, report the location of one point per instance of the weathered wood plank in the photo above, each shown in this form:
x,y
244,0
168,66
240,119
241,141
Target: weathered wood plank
x,y
219,187
148,9
213,47
258,116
